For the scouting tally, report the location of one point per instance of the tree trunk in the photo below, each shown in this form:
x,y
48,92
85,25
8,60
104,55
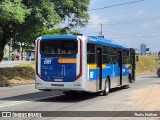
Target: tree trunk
x,y
1,50
3,42
1,57
8,33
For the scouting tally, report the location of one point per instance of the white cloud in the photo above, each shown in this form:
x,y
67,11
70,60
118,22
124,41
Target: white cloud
x,y
139,13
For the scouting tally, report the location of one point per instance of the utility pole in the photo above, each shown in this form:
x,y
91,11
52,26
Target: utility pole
x,y
101,29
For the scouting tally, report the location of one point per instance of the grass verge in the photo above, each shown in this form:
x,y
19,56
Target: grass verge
x,y
147,64
17,75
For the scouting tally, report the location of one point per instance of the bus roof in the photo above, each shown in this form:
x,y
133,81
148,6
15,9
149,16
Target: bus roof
x,y
52,37
92,39
103,41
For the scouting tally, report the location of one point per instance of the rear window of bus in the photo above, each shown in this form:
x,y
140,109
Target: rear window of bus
x,y
58,47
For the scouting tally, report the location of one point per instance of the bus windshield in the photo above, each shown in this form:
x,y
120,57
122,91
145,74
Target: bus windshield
x,y
57,47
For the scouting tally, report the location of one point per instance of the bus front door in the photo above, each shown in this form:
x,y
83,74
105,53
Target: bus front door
x,y
99,68
119,82
133,64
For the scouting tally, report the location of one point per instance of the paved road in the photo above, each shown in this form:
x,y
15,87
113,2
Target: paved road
x,y
13,63
141,96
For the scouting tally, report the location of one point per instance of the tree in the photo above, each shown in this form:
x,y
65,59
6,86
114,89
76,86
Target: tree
x,y
38,22
73,11
11,14
159,55
24,20
59,31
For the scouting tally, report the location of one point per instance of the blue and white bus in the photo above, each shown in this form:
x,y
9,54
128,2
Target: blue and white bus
x,y
77,63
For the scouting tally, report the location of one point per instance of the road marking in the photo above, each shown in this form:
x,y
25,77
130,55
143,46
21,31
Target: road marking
x,y
25,101
13,103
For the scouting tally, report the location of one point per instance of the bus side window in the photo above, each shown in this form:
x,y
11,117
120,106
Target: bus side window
x,y
114,56
114,59
106,56
126,58
91,53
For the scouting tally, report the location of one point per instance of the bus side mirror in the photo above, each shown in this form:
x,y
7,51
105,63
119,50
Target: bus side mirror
x,y
137,58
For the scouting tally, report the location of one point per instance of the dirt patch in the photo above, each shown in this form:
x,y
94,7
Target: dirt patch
x,y
20,82
146,98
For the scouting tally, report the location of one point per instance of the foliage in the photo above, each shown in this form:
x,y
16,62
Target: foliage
x,y
24,20
58,31
73,11
42,18
12,12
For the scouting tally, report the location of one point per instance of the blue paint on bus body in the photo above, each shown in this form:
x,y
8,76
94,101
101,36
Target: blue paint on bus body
x,y
57,72
112,70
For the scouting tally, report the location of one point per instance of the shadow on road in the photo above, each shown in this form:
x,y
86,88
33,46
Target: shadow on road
x,y
82,96
70,98
56,96
31,96
150,76
116,89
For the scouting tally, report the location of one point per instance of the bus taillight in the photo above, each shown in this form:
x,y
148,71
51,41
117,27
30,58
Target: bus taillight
x,y
80,65
37,51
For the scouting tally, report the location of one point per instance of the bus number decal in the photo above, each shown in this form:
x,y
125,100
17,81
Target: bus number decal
x,y
47,61
91,74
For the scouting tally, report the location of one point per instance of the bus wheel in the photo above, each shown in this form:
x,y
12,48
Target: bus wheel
x,y
67,92
126,86
106,88
130,79
70,93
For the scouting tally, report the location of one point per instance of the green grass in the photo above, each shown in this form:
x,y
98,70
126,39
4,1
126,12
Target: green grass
x,y
147,64
17,75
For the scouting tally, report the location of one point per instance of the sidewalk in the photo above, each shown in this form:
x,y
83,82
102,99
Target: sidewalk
x,y
147,99
13,63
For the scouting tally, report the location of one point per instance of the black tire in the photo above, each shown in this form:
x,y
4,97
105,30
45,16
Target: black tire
x,y
66,92
106,88
126,86
129,77
70,93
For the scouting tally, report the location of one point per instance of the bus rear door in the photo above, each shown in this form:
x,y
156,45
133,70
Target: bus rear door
x,y
99,68
133,64
120,68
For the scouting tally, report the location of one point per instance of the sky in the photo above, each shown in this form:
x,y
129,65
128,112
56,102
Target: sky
x,y
129,24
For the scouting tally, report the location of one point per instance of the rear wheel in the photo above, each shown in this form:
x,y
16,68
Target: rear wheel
x,y
129,78
70,93
106,88
66,92
126,86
